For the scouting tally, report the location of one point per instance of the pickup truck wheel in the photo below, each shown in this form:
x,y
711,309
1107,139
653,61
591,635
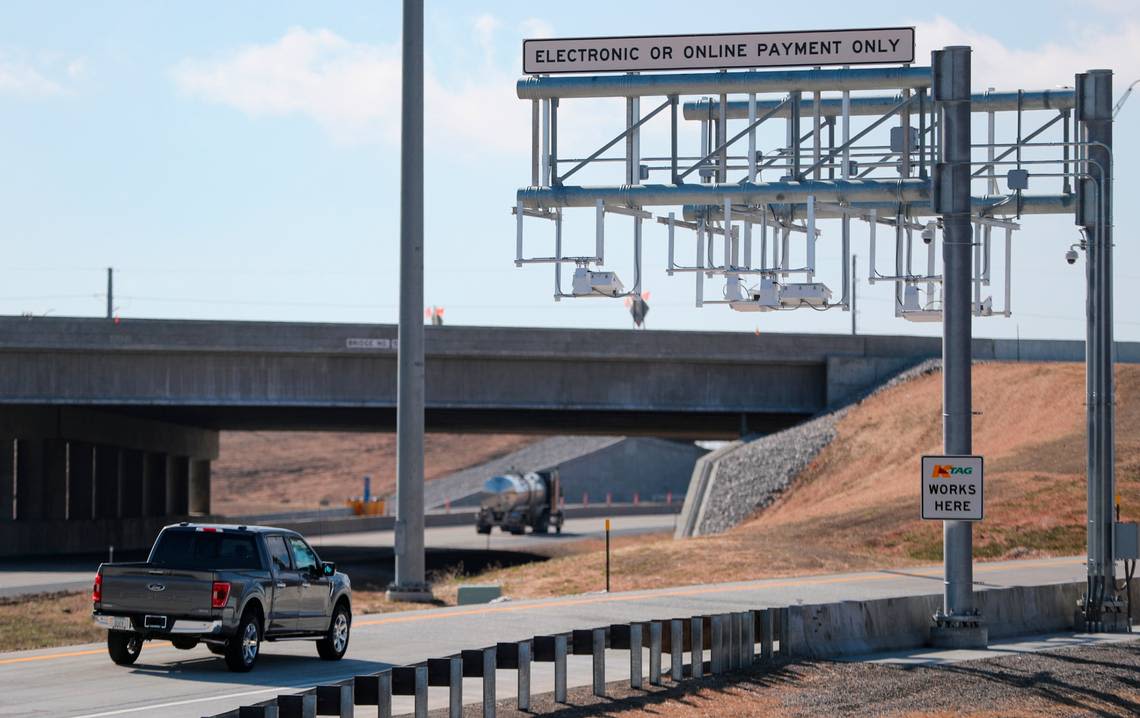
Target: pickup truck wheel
x,y
124,647
243,647
335,643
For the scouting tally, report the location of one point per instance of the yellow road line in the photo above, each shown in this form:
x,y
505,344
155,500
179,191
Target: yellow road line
x,y
69,654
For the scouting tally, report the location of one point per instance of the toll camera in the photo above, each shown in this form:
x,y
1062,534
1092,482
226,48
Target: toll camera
x,y
596,284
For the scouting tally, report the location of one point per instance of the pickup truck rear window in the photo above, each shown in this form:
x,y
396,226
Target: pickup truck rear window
x,y
204,551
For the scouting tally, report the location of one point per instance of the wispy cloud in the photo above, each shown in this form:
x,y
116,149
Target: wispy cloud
x,y
353,90
22,75
996,65
350,89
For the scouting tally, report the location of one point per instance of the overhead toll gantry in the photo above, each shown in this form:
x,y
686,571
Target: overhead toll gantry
x,y
911,168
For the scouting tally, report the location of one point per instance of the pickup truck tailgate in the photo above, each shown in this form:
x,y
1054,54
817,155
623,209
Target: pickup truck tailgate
x,y
150,589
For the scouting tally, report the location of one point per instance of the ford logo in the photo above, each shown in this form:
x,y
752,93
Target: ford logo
x,y
156,587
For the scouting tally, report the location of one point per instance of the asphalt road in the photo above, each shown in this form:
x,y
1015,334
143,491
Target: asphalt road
x,y
80,681
24,577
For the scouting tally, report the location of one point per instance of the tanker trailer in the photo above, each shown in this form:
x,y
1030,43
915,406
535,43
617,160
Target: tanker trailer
x,y
515,500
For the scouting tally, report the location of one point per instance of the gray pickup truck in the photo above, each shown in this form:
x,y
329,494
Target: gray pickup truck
x,y
229,587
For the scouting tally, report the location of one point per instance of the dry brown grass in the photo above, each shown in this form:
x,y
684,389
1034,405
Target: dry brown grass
x,y
856,506
55,619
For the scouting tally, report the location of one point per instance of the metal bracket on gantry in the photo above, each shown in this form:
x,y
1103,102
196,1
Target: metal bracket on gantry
x,y
918,296
586,282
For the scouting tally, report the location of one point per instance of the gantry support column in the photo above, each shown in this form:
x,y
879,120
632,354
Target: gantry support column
x,y
1094,214
958,624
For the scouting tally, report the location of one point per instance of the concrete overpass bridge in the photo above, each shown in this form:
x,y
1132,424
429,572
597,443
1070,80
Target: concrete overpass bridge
x,y
104,421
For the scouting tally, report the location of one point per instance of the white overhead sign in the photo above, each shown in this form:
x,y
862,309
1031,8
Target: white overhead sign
x,y
888,45
952,488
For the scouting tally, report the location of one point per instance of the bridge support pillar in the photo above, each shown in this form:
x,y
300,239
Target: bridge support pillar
x,y
199,488
134,479
178,486
108,482
41,479
80,481
157,467
7,479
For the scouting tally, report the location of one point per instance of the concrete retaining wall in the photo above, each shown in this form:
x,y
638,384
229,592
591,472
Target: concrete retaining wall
x,y
888,624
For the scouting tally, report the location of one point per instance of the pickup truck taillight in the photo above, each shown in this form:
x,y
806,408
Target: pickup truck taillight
x,y
97,589
220,594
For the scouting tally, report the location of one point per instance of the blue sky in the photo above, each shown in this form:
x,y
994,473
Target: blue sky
x,y
240,160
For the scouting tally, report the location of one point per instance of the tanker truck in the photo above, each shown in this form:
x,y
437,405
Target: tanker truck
x,y
516,500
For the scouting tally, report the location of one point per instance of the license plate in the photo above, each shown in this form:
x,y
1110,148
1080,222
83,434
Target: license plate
x,y
115,623
154,622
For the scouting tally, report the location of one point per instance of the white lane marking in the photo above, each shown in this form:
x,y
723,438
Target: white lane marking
x,y
188,701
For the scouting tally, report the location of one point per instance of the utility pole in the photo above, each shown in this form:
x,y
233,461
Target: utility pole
x,y
958,624
110,293
1094,214
409,583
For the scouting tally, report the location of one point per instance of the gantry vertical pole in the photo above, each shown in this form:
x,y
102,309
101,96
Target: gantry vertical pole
x,y
1094,213
958,624
110,293
409,584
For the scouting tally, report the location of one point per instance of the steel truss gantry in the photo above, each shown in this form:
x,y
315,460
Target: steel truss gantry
x,y
927,170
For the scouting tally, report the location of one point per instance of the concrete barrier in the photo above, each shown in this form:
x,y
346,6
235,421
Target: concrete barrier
x,y
858,627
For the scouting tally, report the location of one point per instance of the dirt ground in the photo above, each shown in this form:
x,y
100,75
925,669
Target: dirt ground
x,y
276,471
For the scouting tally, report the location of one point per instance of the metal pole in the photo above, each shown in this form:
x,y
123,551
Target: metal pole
x,y
1094,113
854,281
110,293
958,624
409,584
